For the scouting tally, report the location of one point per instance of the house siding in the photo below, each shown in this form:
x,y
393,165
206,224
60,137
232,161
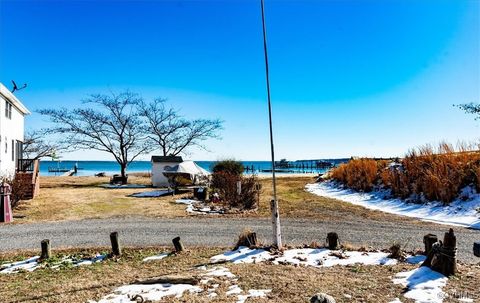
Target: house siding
x,y
11,129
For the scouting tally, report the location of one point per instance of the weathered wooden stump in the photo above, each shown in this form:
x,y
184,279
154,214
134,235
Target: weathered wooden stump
x,y
46,252
429,240
476,249
443,256
116,249
178,245
332,240
247,238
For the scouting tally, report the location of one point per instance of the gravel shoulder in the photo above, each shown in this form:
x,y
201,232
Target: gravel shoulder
x,y
209,232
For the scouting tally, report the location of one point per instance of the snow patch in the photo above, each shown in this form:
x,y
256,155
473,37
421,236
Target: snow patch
x,y
306,257
198,207
423,284
157,257
153,292
461,212
32,264
118,186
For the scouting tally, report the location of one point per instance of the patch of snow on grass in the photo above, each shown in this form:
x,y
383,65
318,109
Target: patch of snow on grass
x,y
243,255
197,207
305,256
423,284
461,212
253,293
29,265
32,264
120,186
153,292
157,257
418,259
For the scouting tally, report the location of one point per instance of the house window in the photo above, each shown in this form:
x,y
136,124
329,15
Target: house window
x,y
13,150
8,110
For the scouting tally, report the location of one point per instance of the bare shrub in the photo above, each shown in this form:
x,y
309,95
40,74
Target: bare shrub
x,y
225,184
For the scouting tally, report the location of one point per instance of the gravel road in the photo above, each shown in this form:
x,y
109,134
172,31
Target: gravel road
x,y
140,231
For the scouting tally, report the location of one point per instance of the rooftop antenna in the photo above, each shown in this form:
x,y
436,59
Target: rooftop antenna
x,y
277,234
15,87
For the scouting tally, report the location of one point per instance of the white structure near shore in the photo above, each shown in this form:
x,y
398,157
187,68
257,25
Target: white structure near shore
x,y
159,165
12,116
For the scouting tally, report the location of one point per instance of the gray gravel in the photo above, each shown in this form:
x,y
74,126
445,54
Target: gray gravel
x,y
140,231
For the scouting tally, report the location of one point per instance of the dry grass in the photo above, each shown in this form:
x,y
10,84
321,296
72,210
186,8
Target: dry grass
x,y
288,283
438,174
295,202
75,198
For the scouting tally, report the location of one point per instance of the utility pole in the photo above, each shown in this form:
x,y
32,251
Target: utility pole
x,y
277,233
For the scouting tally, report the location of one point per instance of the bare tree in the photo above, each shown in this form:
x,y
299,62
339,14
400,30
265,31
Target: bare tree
x,y
36,146
171,132
110,124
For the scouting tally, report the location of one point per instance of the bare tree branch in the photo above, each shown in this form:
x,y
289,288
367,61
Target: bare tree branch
x,y
172,133
110,124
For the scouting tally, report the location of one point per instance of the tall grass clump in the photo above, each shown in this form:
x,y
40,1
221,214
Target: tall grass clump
x,y
359,174
431,173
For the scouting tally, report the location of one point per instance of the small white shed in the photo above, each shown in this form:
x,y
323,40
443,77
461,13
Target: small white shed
x,y
159,165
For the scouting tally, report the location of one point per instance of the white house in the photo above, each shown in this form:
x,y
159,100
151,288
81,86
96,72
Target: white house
x,y
12,115
159,163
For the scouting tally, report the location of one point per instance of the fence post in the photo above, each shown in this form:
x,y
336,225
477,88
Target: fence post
x,y
239,187
178,245
116,249
46,252
332,239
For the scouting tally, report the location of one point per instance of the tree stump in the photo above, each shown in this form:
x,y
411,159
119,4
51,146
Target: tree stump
x,y
116,249
332,240
443,256
178,245
429,240
46,252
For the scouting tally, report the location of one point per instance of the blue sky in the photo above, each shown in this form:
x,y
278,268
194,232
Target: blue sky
x,y
348,78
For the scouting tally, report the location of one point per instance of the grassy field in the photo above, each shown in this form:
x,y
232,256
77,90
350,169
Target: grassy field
x,y
74,198
288,283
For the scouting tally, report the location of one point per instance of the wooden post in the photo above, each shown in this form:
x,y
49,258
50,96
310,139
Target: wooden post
x,y
178,245
277,234
46,252
476,249
116,249
429,240
449,253
239,187
332,239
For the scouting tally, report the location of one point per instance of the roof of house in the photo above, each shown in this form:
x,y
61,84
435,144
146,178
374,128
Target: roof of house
x,y
174,159
5,92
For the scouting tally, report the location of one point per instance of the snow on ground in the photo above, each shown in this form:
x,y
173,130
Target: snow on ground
x,y
418,259
152,194
152,292
423,284
209,284
29,265
197,207
157,257
32,264
306,256
463,212
118,186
